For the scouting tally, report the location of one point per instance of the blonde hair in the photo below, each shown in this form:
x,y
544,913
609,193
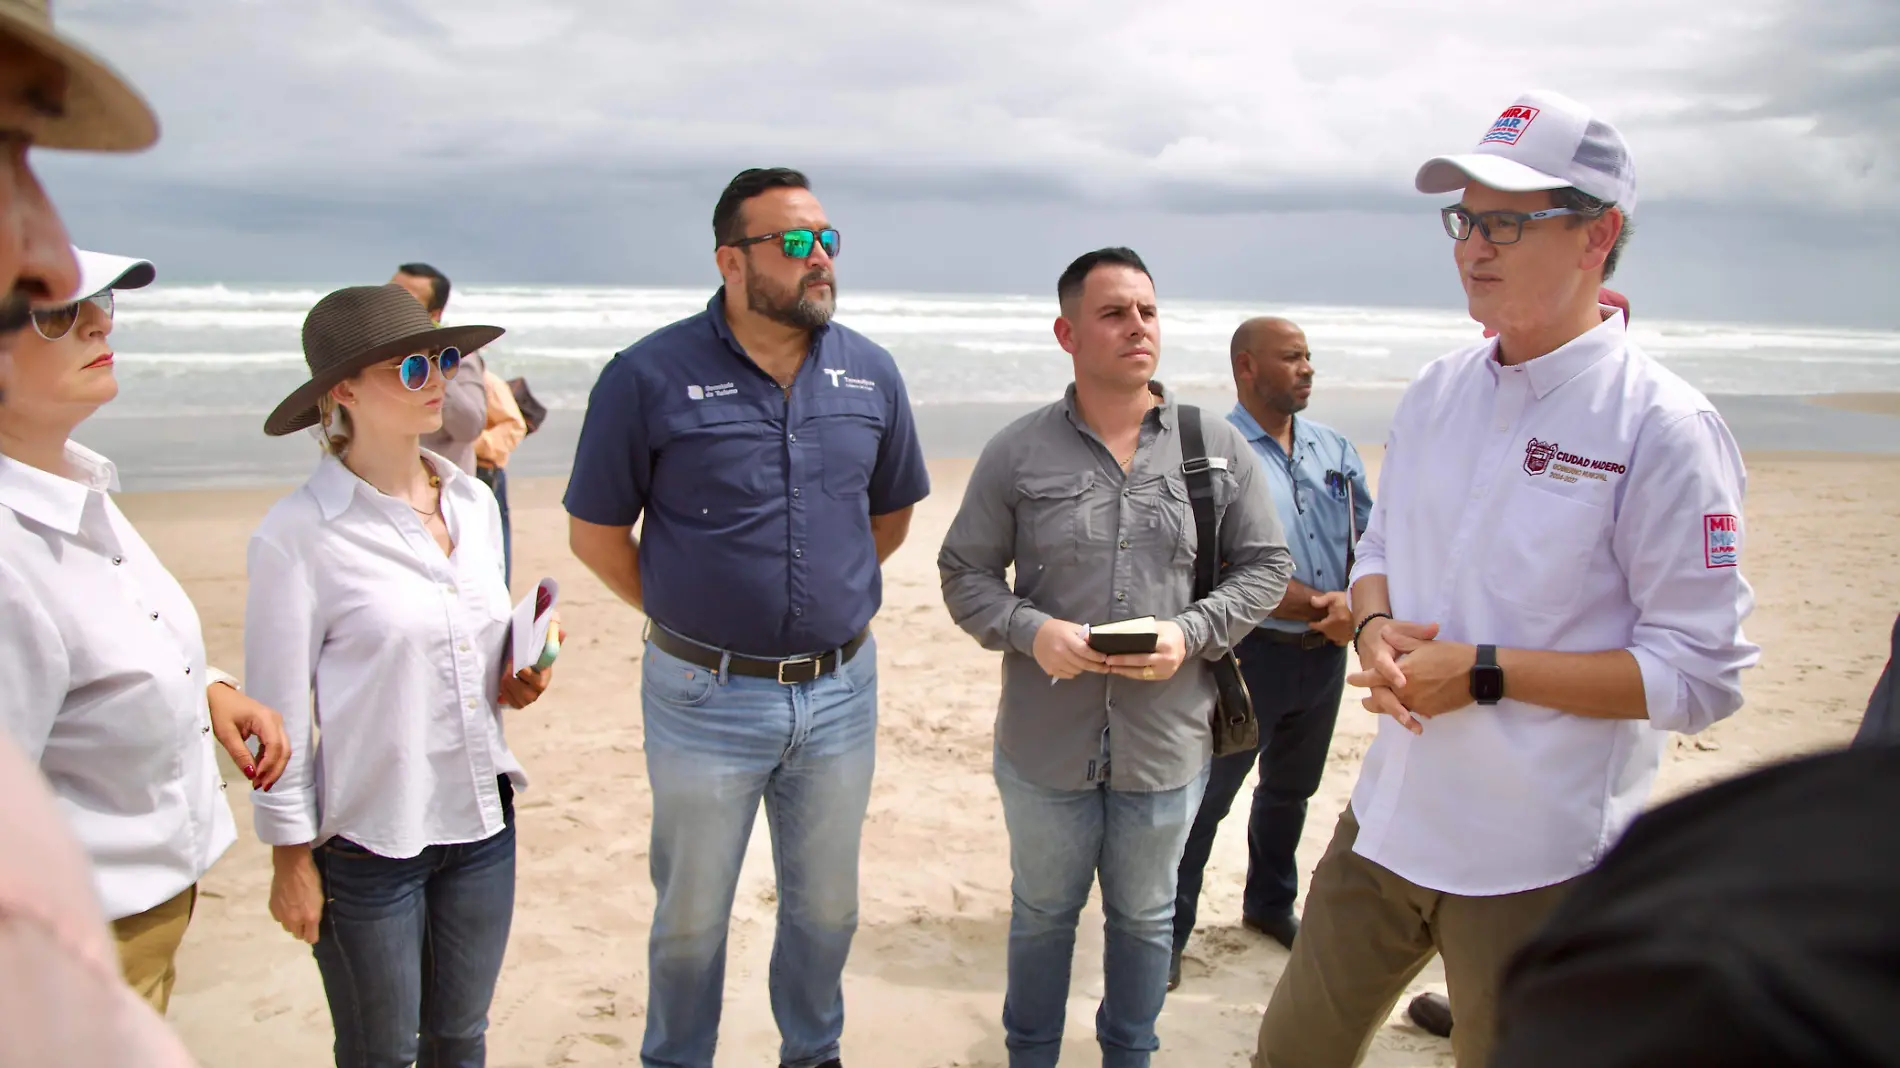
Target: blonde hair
x,y
333,422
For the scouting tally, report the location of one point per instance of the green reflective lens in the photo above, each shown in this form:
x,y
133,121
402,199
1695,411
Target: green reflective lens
x,y
798,243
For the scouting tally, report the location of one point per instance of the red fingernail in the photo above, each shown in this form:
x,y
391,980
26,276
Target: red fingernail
x,y
250,771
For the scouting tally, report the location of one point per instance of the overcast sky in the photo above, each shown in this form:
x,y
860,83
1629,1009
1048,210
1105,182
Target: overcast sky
x,y
1250,150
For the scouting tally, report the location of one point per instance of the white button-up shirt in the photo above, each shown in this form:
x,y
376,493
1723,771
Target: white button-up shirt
x,y
1585,500
354,604
105,675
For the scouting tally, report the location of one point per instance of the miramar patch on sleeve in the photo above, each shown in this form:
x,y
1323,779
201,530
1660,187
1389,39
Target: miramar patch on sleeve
x,y
1722,540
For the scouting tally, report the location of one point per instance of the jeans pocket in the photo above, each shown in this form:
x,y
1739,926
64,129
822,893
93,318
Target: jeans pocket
x,y
674,681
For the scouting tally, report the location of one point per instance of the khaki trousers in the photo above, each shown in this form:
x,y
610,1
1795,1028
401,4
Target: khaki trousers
x,y
148,947
1364,935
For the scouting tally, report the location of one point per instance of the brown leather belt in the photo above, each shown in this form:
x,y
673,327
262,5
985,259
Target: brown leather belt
x,y
1307,639
787,670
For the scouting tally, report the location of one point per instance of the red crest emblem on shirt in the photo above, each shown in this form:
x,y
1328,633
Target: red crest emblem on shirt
x,y
1537,456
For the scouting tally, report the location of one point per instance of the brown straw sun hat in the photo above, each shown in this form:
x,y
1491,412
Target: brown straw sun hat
x,y
101,110
356,327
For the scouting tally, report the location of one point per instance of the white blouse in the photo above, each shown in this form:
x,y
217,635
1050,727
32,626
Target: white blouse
x,y
384,657
105,675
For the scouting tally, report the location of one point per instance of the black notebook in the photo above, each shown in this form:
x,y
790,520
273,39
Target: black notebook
x,y
1124,636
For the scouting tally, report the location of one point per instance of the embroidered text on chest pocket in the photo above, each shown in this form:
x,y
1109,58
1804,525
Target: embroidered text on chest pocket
x,y
1541,548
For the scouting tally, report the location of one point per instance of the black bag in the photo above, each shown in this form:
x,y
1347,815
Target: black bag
x,y
1235,728
532,411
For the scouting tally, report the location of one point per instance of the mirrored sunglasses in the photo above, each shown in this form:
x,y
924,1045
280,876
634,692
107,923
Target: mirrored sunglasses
x,y
414,369
56,322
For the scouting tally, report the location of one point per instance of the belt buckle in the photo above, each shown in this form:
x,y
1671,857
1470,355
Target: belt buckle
x,y
796,662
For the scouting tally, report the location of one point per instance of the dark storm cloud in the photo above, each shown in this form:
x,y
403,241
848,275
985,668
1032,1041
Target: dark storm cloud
x,y
1252,148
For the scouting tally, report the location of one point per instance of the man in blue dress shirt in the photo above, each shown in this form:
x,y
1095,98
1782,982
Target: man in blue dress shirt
x,y
1294,662
773,455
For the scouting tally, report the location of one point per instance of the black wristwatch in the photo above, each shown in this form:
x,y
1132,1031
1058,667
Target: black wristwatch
x,y
1487,678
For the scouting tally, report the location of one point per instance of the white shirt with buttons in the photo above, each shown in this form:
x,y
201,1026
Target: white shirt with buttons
x,y
104,675
353,603
1583,501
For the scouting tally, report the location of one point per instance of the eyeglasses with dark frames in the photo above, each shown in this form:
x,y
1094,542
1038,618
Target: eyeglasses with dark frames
x,y
1498,227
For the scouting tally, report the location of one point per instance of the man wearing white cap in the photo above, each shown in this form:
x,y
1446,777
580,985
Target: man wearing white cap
x,y
1548,584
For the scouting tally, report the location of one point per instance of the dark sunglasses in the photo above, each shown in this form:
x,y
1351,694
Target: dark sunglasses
x,y
796,244
56,322
414,368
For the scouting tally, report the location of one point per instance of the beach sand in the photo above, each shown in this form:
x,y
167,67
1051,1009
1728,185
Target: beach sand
x,y
925,982
1871,403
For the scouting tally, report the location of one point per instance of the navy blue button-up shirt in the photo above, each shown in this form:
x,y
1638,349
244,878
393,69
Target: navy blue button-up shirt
x,y
757,504
1318,491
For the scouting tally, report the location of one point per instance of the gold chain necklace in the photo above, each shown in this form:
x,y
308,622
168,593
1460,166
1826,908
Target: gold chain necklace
x,y
435,483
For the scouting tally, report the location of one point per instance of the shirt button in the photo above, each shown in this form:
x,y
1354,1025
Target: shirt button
x,y
791,437
1123,543
798,552
794,491
1125,493
463,647
154,616
798,611
471,704
206,729
117,560
449,586
187,669
1121,597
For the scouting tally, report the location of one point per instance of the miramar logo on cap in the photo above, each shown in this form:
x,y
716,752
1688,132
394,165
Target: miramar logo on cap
x,y
1510,126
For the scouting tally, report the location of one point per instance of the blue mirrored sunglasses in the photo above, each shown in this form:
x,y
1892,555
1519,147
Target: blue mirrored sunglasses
x,y
414,368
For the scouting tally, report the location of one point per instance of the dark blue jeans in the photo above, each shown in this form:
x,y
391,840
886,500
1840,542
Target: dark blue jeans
x,y
496,479
410,949
1296,698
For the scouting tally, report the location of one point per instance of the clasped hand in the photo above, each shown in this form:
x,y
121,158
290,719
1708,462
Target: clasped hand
x,y
1411,674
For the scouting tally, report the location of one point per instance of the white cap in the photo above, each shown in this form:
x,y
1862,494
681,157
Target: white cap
x,y
99,272
1543,141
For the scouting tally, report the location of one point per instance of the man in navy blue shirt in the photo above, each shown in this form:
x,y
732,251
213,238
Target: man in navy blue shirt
x,y
1295,661
773,455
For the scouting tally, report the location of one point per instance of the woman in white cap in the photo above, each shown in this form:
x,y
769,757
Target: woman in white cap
x,y
108,690
376,589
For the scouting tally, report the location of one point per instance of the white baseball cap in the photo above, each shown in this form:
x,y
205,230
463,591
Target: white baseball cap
x,y
1544,140
99,272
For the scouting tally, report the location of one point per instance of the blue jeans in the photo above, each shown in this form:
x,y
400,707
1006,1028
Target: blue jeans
x,y
409,949
716,747
1058,841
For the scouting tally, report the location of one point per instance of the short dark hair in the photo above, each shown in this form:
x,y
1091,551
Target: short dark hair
x,y
1588,208
1069,286
437,280
749,183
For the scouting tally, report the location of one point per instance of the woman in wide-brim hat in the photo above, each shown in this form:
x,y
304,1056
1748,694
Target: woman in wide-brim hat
x,y
377,603
107,686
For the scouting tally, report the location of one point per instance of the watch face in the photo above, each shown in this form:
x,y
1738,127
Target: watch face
x,y
1487,684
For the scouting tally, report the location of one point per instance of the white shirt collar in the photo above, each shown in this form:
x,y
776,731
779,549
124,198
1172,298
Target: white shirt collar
x,y
1566,362
52,500
335,485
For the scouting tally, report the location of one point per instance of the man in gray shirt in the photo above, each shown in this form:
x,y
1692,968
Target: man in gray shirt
x,y
1101,760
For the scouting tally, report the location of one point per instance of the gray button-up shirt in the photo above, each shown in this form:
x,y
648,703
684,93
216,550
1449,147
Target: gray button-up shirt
x,y
1091,544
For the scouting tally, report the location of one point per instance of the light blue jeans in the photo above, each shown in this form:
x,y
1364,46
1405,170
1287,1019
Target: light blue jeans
x,y
1058,841
715,748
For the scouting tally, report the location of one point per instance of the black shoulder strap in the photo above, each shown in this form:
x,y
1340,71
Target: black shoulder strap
x,y
1200,485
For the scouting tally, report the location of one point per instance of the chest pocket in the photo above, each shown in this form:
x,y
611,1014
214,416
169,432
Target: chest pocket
x,y
1052,516
849,438
1539,555
715,461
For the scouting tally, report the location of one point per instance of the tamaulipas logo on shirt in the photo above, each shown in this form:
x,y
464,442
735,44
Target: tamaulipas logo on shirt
x,y
841,377
1548,458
